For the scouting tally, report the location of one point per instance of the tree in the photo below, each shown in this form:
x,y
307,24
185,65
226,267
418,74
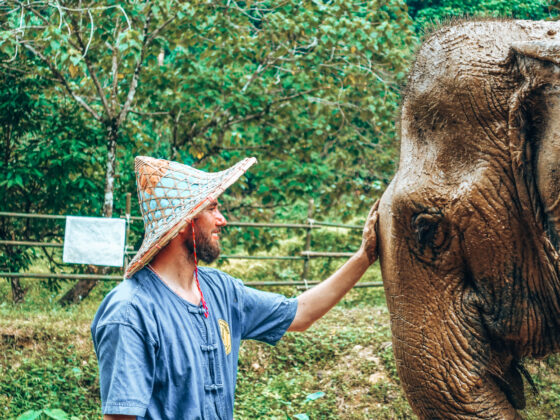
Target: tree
x,y
96,55
44,160
309,87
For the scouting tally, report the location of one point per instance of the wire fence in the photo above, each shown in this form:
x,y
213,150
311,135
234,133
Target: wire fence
x,y
304,256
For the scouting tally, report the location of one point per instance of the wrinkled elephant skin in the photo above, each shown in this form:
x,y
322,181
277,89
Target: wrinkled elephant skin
x,y
469,227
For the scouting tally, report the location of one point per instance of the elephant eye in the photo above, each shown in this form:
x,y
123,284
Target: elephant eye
x,y
431,234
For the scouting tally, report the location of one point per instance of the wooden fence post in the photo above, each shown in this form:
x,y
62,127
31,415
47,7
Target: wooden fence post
x,y
308,242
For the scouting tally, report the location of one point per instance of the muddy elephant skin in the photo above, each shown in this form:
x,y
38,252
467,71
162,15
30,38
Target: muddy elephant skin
x,y
469,226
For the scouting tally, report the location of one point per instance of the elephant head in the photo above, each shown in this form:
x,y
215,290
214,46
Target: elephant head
x,y
469,227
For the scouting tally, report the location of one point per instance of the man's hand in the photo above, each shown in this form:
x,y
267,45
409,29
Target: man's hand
x,y
369,236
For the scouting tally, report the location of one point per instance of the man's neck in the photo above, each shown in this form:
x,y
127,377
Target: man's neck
x,y
175,266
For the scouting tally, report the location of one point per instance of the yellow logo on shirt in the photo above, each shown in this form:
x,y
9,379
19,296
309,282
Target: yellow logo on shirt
x,y
226,336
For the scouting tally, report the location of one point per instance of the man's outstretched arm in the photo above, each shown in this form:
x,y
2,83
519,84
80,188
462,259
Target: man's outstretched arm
x,y
317,301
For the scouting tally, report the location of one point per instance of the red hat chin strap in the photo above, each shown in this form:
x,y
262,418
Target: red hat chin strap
x,y
196,273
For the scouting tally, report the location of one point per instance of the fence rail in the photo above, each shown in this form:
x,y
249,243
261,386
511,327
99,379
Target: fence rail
x,y
114,277
304,256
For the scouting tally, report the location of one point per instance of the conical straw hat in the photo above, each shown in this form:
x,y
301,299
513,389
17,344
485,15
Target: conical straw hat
x,y
171,195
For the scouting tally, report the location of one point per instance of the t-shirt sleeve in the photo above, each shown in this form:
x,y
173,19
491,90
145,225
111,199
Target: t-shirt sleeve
x,y
266,316
126,368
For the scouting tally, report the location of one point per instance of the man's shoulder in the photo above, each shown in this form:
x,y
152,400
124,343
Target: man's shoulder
x,y
126,301
136,290
218,276
226,288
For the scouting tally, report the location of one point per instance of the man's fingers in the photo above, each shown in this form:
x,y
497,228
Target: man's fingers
x,y
374,208
370,233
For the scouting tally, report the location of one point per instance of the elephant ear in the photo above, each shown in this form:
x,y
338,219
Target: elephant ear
x,y
540,61
539,50
533,109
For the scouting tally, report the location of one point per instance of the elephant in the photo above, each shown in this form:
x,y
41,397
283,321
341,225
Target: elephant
x,y
469,227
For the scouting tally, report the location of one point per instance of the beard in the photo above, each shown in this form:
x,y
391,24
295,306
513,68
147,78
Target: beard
x,y
206,250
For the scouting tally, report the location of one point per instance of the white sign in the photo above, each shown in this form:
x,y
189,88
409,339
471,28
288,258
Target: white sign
x,y
94,240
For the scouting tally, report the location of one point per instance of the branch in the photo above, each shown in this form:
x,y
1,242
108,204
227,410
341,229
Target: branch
x,y
61,79
158,30
334,104
146,41
268,61
25,72
267,108
115,66
245,148
37,14
134,82
149,114
94,78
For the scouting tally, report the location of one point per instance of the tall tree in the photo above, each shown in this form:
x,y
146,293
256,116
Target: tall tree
x,y
96,54
309,87
46,166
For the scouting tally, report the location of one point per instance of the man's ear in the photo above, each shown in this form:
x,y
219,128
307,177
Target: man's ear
x,y
186,229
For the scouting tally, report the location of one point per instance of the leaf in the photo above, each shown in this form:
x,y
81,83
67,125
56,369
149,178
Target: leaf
x,y
314,396
73,70
301,416
30,415
55,413
55,45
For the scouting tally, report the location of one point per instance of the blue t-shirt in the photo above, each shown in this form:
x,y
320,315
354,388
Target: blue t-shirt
x,y
161,358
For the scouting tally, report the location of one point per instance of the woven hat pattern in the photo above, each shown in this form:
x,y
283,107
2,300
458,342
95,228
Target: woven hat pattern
x,y
171,194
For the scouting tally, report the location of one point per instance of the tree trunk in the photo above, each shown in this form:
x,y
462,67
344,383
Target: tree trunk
x,y
18,292
78,292
112,132
12,262
82,288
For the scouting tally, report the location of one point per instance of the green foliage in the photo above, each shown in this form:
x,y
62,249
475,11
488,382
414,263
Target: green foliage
x,y
309,88
426,13
343,367
47,371
45,165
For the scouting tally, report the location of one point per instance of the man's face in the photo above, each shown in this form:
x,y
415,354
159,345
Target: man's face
x,y
207,227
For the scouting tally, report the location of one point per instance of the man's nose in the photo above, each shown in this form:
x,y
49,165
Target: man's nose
x,y
220,219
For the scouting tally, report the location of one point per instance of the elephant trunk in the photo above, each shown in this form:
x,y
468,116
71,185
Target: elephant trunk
x,y
444,359
446,368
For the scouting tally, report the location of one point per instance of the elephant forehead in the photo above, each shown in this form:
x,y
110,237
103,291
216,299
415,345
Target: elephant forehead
x,y
454,193
450,161
474,48
468,69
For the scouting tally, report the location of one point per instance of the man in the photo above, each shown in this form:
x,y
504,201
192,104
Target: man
x,y
167,338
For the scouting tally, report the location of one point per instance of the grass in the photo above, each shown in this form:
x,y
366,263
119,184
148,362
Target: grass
x,y
342,368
